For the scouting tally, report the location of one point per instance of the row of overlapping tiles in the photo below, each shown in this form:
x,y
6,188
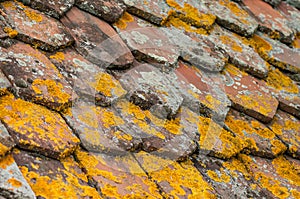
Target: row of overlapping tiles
x,y
166,97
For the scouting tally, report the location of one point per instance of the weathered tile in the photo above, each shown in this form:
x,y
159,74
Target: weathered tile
x,y
36,28
277,53
36,128
287,128
117,176
240,54
294,3
270,20
13,184
146,41
249,94
4,84
96,40
173,139
231,16
50,178
229,178
100,129
273,2
261,141
277,176
35,78
6,141
154,11
109,10
198,50
294,162
87,80
176,180
285,90
292,14
55,8
200,95
150,88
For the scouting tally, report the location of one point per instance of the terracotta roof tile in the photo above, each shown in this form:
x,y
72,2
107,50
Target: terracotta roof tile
x,y
292,14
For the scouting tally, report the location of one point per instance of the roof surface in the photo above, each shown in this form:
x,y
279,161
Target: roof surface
x,y
150,99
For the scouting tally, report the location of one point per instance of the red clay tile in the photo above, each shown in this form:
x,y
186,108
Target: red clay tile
x,y
229,178
36,128
87,80
200,95
176,180
249,94
287,128
240,54
54,8
260,140
277,176
292,14
146,41
6,141
117,176
96,40
154,11
270,20
35,78
4,84
13,184
151,89
101,129
109,10
50,178
36,28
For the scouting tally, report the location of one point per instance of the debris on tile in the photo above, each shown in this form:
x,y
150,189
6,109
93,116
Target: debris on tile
x,y
109,10
287,128
6,141
36,28
261,141
13,184
35,78
146,41
117,176
96,40
36,128
88,80
270,20
249,94
51,178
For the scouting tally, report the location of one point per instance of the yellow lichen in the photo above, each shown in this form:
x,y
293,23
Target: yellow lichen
x,y
222,177
3,150
122,22
30,13
233,44
234,8
59,56
14,182
235,166
11,32
296,42
6,161
260,45
277,147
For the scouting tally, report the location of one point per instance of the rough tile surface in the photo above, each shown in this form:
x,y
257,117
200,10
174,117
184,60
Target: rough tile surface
x,y
4,84
6,141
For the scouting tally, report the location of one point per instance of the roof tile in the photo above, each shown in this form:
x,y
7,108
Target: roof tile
x,y
277,176
260,140
294,3
273,2
249,94
292,14
55,8
118,177
270,20
240,54
50,178
87,79
6,141
147,42
176,180
96,40
36,28
287,128
4,84
36,128
35,78
13,184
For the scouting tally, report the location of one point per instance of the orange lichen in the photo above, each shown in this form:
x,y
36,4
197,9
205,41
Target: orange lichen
x,y
296,42
260,45
233,44
3,149
277,147
59,56
281,82
14,182
218,177
124,20
30,13
6,161
235,166
107,85
234,70
37,123
11,32
234,8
